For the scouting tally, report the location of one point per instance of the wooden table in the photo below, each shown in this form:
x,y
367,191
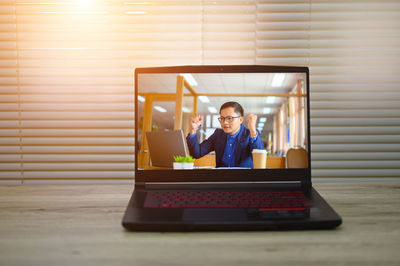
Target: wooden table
x,y
81,225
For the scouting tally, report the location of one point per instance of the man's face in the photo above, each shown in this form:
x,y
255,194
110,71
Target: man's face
x,y
233,126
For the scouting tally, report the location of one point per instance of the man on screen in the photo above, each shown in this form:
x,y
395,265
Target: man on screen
x,y
233,143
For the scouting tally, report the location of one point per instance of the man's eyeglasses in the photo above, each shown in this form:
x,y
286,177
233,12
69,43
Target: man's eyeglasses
x,y
228,119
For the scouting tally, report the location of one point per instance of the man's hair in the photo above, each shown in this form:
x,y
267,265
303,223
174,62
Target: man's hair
x,y
236,106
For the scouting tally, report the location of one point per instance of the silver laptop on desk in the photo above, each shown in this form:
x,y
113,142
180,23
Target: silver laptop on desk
x,y
278,195
164,145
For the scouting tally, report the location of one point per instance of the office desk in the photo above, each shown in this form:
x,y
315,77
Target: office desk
x,y
81,225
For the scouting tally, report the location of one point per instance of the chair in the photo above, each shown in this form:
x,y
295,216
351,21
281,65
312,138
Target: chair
x,y
297,157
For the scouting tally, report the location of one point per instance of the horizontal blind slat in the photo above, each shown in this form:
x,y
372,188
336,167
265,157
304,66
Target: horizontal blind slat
x,y
77,140
366,155
79,166
360,121
78,174
78,158
357,164
355,147
81,149
355,173
72,132
359,130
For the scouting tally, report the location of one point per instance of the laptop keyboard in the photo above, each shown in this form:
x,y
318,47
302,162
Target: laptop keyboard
x,y
263,200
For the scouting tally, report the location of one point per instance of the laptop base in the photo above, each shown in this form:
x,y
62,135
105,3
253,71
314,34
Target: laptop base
x,y
319,216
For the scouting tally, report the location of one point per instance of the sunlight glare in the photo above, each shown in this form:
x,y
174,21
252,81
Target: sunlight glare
x,y
83,2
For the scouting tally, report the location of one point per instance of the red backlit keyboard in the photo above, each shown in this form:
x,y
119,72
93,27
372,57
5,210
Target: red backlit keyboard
x,y
263,200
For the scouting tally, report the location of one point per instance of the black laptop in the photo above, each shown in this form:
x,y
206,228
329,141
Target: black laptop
x,y
271,193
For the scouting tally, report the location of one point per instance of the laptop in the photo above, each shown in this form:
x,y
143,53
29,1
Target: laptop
x,y
164,145
274,193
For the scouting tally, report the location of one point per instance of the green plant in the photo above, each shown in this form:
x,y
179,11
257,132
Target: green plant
x,y
183,159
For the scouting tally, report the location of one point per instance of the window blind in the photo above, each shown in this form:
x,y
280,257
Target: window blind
x,y
10,150
228,32
352,50
355,91
67,81
66,76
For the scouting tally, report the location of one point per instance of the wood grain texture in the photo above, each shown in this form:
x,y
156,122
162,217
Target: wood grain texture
x,y
81,225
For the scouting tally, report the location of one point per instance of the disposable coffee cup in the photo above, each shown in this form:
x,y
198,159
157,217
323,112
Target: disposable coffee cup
x,y
259,158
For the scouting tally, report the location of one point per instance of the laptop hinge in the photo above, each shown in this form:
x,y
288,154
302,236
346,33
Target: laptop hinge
x,y
306,184
217,185
139,185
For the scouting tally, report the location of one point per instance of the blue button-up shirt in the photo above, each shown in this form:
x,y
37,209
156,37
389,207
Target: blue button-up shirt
x,y
228,159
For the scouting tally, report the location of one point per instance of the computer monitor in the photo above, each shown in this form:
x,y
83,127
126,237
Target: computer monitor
x,y
277,95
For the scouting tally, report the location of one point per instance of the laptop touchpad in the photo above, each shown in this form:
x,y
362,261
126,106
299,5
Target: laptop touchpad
x,y
194,215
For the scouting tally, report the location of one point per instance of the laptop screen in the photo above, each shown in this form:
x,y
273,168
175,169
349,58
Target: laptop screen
x,y
238,123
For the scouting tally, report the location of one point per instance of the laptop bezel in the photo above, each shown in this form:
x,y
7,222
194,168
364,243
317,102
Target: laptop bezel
x,y
302,175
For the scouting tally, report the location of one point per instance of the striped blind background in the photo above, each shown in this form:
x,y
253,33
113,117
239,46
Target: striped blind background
x,y
66,76
354,59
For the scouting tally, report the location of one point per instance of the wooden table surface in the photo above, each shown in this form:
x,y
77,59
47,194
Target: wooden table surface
x,y
81,225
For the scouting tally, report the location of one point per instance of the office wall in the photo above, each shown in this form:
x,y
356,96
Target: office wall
x,y
66,76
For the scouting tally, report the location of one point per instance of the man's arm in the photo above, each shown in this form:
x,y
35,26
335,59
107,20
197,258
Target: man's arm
x,y
256,142
195,123
251,120
255,138
199,150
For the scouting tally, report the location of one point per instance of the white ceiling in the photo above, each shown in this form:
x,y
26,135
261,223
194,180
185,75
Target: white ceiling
x,y
220,83
226,83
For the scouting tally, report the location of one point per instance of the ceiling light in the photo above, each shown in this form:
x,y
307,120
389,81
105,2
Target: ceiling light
x,y
212,110
160,109
266,110
271,99
204,99
190,79
278,79
263,119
